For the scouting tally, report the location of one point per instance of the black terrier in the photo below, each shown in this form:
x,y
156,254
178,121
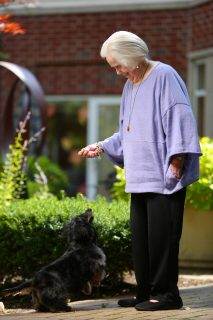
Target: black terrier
x,y
79,269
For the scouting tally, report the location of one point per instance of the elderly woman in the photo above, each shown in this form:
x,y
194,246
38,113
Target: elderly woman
x,y
157,144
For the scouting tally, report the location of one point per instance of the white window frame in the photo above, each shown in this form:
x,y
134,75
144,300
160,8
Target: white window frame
x,y
200,93
194,60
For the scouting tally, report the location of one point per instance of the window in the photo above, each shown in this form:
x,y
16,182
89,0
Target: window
x,y
73,122
103,119
66,134
200,83
200,95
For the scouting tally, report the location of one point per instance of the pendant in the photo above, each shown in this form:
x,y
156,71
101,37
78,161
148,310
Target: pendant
x,y
128,128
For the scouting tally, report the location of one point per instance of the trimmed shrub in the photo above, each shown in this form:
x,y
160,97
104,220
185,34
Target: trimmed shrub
x,y
30,233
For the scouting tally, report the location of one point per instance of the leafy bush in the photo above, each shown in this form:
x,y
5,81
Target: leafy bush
x,y
12,170
199,194
21,177
57,179
30,233
12,177
118,189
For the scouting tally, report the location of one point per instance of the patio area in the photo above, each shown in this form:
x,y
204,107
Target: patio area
x,y
198,304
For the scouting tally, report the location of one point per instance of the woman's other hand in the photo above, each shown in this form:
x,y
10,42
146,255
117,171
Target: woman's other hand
x,y
177,165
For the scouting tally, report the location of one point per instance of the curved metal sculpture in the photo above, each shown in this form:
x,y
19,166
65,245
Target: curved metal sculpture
x,y
32,91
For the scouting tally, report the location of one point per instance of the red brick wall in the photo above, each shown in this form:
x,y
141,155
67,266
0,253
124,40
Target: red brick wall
x,y
201,24
63,50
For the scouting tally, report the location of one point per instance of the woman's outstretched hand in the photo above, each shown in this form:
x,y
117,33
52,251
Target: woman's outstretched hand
x,y
90,151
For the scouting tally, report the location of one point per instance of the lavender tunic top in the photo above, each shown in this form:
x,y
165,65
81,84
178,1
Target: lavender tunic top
x,y
161,125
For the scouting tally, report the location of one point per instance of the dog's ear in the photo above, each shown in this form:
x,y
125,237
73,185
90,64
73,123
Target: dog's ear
x,y
88,215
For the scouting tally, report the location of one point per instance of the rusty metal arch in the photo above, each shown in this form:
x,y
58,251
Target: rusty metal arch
x,y
32,90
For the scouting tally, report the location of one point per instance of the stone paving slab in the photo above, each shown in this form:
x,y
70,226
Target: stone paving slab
x,y
198,305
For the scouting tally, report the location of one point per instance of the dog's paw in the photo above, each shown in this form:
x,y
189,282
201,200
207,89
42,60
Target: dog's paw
x,y
65,309
2,309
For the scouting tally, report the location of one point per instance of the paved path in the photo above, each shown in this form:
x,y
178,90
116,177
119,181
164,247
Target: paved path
x,y
198,304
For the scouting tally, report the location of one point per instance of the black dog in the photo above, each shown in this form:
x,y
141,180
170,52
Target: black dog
x,y
79,269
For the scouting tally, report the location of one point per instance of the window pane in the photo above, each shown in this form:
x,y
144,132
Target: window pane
x,y
108,124
201,76
201,115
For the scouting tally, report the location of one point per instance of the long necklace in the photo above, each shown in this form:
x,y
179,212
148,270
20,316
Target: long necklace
x,y
132,104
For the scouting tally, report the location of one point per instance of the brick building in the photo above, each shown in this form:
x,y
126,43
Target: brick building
x,y
61,47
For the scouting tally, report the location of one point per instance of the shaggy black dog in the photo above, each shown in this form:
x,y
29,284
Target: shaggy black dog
x,y
79,269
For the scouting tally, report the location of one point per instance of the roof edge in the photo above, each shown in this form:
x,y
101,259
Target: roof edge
x,y
90,6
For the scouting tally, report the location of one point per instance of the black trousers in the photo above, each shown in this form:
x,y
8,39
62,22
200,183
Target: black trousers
x,y
156,225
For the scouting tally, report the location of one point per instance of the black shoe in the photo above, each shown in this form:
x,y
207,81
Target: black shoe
x,y
129,302
162,304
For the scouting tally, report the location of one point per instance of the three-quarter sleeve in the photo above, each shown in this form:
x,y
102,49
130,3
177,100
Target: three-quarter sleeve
x,y
113,146
181,138
180,131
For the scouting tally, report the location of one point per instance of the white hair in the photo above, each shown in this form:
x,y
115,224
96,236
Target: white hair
x,y
126,47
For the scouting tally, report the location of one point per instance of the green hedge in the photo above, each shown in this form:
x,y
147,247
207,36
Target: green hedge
x,y
30,233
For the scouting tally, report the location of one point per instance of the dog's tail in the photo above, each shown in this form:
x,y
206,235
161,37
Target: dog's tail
x,y
18,289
